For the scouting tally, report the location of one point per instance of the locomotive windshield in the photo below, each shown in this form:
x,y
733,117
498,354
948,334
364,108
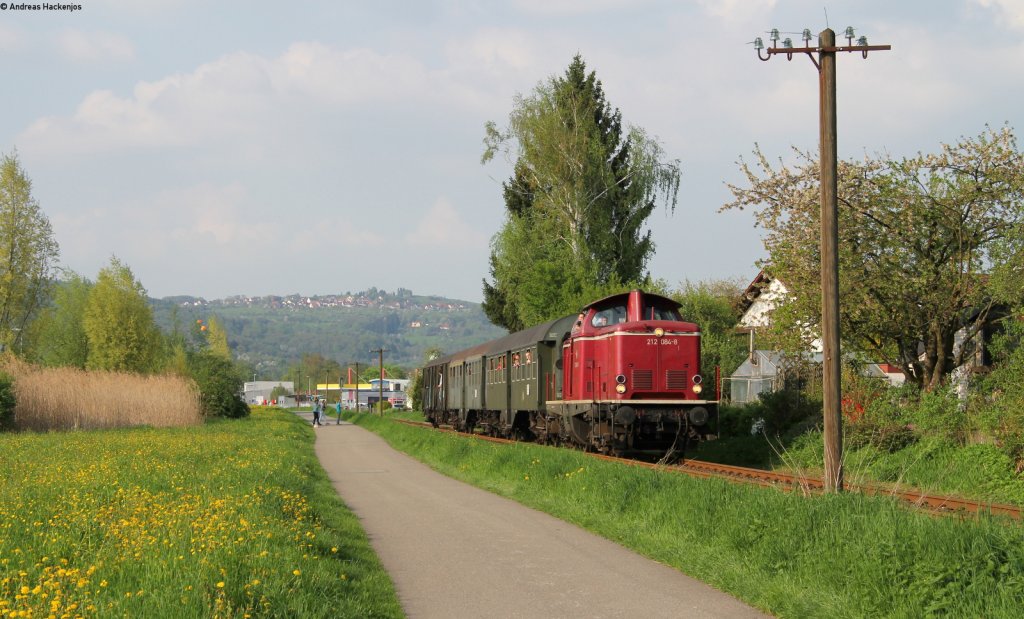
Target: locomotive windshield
x,y
659,311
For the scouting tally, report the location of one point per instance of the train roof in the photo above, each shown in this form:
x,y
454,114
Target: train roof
x,y
647,295
552,331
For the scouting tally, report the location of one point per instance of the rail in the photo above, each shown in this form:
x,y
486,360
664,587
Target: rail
x,y
934,503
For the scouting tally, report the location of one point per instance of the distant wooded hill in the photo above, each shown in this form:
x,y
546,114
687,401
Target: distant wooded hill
x,y
273,332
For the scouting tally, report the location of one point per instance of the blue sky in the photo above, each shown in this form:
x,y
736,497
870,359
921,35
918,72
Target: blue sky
x,y
230,147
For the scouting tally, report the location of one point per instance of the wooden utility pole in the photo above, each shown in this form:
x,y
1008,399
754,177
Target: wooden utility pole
x,y
831,381
828,164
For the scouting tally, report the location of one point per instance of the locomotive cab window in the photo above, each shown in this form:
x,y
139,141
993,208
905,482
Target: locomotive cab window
x,y
661,312
611,315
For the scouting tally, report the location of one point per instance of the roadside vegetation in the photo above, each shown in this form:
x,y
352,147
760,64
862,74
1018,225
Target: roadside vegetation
x,y
71,398
931,440
232,518
826,556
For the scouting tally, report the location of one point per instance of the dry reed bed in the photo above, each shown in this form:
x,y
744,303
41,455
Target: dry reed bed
x,y
70,398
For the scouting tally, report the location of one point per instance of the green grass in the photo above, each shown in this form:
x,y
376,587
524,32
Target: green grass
x,y
230,519
979,471
827,556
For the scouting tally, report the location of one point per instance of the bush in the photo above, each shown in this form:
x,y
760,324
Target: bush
x,y
416,392
781,412
890,437
1001,407
939,413
737,420
219,385
1006,426
7,401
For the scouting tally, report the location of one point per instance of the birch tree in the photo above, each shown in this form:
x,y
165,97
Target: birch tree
x,y
576,206
28,253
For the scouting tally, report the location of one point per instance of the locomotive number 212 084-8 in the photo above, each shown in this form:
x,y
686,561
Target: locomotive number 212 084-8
x,y
653,341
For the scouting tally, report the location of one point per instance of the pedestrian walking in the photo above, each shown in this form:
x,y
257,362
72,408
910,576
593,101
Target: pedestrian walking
x,y
338,407
316,412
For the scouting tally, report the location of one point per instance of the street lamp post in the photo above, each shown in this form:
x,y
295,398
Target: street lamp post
x,y
831,387
357,386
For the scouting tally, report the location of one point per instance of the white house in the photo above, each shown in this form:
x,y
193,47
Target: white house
x,y
762,371
759,300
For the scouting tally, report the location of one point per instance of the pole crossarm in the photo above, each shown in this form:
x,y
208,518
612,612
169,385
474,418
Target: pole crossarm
x,y
820,49
845,48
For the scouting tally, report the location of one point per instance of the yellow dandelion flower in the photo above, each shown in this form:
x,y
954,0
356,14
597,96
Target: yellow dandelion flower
x,y
334,549
296,572
220,585
25,590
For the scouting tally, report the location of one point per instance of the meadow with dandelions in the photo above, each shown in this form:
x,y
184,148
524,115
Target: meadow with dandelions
x,y
227,519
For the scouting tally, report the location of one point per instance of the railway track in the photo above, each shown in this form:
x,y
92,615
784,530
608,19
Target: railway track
x,y
933,503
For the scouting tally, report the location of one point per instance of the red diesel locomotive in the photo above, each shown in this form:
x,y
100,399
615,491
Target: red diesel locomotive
x,y
622,377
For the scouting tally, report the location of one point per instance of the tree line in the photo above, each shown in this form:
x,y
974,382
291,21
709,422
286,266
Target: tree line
x,y
56,317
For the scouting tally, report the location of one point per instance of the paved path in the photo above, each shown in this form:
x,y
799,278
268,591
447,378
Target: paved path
x,y
455,551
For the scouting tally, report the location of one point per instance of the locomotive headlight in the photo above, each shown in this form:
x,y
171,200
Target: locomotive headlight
x,y
659,332
620,389
697,389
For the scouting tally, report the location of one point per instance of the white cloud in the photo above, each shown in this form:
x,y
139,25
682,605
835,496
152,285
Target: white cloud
x,y
241,94
92,47
494,49
736,10
574,7
443,228
11,38
1009,12
338,76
